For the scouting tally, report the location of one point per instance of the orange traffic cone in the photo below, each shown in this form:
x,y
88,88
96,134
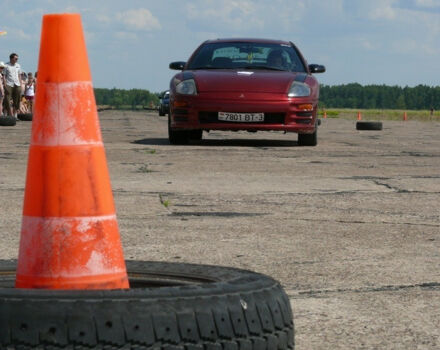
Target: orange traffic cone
x,y
69,235
325,114
405,116
359,116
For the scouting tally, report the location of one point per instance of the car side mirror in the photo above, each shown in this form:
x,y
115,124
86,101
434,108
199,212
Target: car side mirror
x,y
316,68
177,65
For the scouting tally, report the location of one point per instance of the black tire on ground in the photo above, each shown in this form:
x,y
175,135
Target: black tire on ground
x,y
308,139
368,125
169,306
177,137
7,121
161,112
25,116
195,135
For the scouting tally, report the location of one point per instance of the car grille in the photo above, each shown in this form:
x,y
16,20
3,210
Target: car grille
x,y
304,114
269,118
180,111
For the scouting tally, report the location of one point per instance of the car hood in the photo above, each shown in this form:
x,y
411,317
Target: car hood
x,y
243,81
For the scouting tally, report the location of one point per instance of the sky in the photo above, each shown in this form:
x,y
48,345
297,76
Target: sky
x,y
131,43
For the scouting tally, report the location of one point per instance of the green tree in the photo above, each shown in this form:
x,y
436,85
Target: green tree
x,y
380,96
118,97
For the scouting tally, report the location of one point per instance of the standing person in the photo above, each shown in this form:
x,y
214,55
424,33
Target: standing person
x,y
2,87
29,91
23,81
12,72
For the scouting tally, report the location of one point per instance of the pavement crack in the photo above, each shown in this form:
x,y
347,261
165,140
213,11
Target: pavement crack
x,y
392,188
18,189
371,222
216,214
312,293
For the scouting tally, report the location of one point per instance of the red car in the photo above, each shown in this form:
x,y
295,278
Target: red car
x,y
244,84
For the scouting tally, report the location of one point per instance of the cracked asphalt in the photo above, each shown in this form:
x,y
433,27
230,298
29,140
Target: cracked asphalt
x,y
351,228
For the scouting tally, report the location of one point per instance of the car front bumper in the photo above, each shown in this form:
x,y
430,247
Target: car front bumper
x,y
281,112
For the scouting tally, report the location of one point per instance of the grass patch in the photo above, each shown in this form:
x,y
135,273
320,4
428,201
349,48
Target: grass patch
x,y
133,108
144,169
381,114
165,202
331,113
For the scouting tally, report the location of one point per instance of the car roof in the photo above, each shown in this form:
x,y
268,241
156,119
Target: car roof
x,y
248,40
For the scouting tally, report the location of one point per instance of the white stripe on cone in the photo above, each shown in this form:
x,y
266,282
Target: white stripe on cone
x,y
40,231
61,121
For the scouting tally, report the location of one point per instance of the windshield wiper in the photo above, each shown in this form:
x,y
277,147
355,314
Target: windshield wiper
x,y
262,67
195,68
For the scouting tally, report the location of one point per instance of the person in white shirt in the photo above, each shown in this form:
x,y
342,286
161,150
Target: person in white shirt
x,y
12,73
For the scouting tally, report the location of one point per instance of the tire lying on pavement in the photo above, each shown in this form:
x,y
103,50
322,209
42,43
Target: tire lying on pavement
x,y
8,121
25,116
169,306
368,125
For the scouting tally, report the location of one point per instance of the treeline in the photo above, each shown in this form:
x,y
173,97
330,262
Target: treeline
x,y
338,96
379,97
119,98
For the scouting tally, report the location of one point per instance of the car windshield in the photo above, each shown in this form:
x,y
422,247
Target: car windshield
x,y
245,55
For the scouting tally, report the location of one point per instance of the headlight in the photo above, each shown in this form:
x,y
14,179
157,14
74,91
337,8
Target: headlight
x,y
186,87
298,89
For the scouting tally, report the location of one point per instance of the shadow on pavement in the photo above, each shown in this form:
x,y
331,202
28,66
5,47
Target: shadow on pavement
x,y
224,142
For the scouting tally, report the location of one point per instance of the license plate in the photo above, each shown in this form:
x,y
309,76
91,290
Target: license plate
x,y
241,117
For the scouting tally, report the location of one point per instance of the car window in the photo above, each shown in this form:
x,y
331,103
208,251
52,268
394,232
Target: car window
x,y
237,55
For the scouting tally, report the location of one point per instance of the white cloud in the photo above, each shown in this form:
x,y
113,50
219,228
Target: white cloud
x,y
102,18
125,35
22,35
414,47
368,44
428,3
71,9
345,35
291,15
371,9
139,19
384,11
406,46
225,14
221,10
417,33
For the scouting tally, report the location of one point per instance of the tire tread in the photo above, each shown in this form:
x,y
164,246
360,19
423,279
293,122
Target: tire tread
x,y
256,318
